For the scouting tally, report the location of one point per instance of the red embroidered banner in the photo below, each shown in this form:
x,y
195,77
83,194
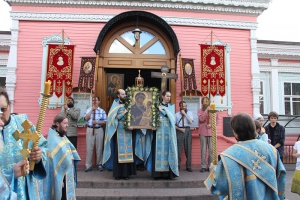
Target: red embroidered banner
x,y
212,70
189,80
60,68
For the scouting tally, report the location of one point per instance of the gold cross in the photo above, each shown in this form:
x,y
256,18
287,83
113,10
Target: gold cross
x,y
26,135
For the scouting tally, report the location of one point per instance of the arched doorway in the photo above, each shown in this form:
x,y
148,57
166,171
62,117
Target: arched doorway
x,y
118,52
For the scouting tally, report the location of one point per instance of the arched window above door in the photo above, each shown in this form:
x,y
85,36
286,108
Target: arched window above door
x,y
148,44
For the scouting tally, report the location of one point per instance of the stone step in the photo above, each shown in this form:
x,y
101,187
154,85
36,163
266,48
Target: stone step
x,y
104,180
145,193
96,185
140,184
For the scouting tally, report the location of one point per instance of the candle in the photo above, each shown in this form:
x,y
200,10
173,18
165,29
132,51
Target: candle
x,y
47,87
213,106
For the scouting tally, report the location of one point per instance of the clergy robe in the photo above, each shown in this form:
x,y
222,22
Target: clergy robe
x,y
249,170
164,145
26,187
118,150
6,192
61,164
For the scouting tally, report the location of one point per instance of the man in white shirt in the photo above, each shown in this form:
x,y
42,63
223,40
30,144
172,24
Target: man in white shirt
x,y
184,119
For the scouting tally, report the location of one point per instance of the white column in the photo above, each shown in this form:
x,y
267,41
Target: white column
x,y
11,77
255,82
274,90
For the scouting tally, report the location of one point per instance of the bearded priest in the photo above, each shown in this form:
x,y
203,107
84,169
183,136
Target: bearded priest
x,y
62,160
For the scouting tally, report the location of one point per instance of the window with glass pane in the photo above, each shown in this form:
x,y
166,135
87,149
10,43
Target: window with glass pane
x,y
128,37
296,89
145,37
296,106
287,106
118,47
292,98
261,97
156,48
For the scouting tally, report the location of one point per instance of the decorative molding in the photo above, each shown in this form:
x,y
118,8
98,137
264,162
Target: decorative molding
x,y
280,64
291,70
11,78
4,56
210,23
3,72
4,42
255,83
250,7
105,18
3,63
279,53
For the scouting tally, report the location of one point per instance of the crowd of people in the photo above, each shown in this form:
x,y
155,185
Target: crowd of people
x,y
254,162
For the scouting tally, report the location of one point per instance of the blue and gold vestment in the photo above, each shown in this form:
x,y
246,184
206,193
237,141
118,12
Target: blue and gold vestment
x,y
249,170
28,187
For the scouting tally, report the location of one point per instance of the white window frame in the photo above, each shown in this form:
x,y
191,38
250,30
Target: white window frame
x,y
289,96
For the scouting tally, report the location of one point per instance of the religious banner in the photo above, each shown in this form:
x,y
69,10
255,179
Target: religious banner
x,y
60,68
87,71
212,70
189,80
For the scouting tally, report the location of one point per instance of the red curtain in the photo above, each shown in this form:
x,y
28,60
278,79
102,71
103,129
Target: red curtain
x,y
60,68
212,70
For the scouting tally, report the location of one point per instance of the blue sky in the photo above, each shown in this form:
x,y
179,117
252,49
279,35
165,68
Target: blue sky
x,y
278,22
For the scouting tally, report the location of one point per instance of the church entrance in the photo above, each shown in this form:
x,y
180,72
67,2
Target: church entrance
x,y
133,41
129,75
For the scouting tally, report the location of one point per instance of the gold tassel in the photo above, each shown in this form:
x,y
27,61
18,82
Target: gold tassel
x,y
84,95
222,100
56,104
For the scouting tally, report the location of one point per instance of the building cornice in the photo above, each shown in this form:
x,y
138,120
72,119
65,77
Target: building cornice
x,y
280,65
249,7
34,16
286,67
283,55
285,70
278,50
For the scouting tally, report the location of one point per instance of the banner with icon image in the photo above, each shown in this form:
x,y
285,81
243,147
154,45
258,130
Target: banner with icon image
x,y
60,69
212,70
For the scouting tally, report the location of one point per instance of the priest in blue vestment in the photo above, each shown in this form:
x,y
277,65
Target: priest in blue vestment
x,y
164,144
249,169
26,187
60,182
6,192
118,152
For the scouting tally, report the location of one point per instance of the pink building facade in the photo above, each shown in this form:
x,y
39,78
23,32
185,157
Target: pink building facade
x,y
38,23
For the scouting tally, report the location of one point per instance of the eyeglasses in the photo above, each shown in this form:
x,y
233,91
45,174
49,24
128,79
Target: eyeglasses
x,y
4,109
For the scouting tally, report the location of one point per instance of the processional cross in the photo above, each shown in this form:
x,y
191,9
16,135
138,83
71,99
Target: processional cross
x,y
164,75
26,135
